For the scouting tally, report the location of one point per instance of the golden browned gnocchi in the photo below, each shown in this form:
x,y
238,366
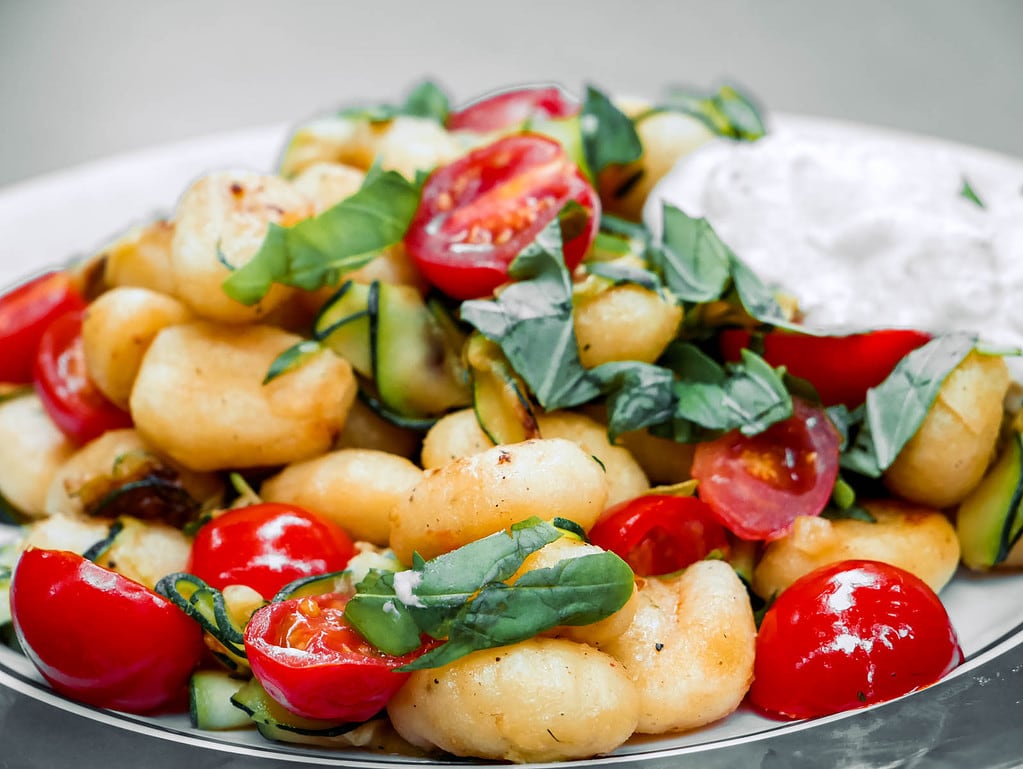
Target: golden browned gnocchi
x,y
471,497
545,699
142,257
32,450
200,398
626,322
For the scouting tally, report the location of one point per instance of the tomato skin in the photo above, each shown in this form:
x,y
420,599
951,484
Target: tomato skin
x,y
841,368
309,659
513,108
101,638
70,398
477,213
266,546
660,533
758,485
25,313
848,635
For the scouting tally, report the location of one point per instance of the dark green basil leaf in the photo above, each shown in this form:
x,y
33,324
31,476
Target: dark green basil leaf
x,y
426,100
317,251
292,358
638,395
625,273
609,136
693,260
531,320
727,113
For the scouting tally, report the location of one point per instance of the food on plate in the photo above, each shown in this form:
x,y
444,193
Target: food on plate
x,y
426,443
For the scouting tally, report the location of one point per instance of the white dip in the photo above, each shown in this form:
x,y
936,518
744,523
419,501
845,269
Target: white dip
x,y
866,230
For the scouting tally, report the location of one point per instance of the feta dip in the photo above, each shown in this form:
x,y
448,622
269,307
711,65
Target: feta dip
x,y
866,230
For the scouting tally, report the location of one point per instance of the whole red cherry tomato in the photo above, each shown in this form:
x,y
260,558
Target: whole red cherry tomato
x,y
99,637
73,402
659,533
479,212
308,658
25,313
513,108
758,485
841,368
266,546
848,635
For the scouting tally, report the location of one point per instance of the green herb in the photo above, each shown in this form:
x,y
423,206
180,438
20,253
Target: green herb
x,y
639,395
727,113
317,251
426,100
619,274
609,136
292,358
896,408
531,320
970,194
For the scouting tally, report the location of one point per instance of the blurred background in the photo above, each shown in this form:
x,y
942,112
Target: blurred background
x,y
80,81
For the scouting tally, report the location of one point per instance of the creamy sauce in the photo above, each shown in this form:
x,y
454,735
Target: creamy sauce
x,y
866,230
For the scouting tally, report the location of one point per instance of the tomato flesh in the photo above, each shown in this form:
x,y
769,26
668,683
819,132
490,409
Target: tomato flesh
x,y
266,546
25,313
659,533
513,108
841,368
478,213
62,382
758,485
101,638
849,635
309,659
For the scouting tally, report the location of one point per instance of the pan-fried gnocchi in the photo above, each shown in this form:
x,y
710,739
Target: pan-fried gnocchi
x,y
315,394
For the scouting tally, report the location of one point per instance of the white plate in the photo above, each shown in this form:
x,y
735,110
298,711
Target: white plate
x,y
975,712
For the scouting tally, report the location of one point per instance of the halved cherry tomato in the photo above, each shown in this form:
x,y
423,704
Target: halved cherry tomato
x,y
73,402
25,313
478,213
757,485
659,533
266,546
309,659
513,108
101,638
841,368
849,635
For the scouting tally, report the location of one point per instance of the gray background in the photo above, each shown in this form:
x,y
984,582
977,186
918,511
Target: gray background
x,y
81,80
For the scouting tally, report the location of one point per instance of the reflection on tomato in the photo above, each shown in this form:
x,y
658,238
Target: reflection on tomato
x,y
25,313
478,213
758,485
848,635
841,368
513,108
99,637
309,659
266,546
73,402
659,533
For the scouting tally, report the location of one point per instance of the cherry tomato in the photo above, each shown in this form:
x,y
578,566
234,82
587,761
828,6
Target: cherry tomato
x,y
73,402
841,368
266,546
757,485
848,635
99,637
478,213
308,658
25,313
659,533
513,108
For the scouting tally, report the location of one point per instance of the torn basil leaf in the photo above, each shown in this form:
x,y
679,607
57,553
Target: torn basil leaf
x,y
970,194
692,259
609,136
619,273
427,100
728,113
638,395
316,252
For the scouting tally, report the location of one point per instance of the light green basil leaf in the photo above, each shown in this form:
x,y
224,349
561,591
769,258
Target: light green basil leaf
x,y
970,194
295,356
609,136
638,395
317,251
625,273
531,320
380,617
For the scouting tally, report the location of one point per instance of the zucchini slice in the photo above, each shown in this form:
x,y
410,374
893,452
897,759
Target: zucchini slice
x,y
209,701
343,323
275,722
990,520
499,397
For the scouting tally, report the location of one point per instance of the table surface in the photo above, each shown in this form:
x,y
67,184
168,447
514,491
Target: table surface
x,y
79,81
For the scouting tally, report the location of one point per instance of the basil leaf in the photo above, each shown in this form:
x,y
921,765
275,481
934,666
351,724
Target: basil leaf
x,y
531,320
638,395
380,617
292,358
625,273
317,251
426,100
576,591
692,259
728,113
970,194
609,136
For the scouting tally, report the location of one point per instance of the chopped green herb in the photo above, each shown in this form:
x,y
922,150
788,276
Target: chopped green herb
x,y
970,194
609,136
426,100
728,113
